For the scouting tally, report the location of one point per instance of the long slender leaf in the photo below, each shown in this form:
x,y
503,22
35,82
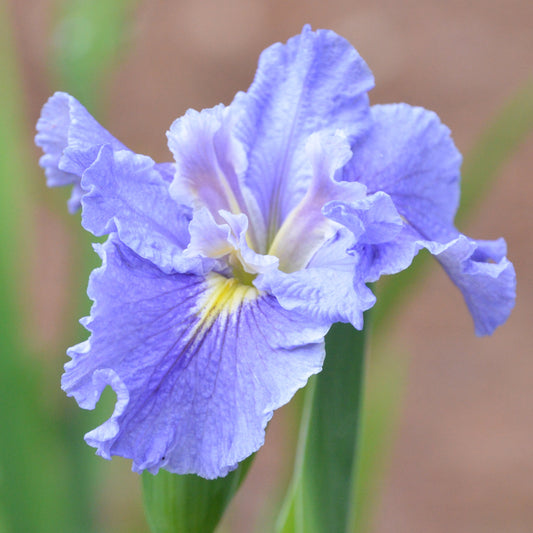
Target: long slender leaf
x,y
320,498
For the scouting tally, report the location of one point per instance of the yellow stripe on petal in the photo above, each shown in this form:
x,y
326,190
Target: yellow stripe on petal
x,y
223,297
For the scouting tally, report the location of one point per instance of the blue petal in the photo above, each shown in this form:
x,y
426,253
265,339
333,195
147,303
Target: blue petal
x,y
228,241
327,289
196,380
306,228
167,171
126,194
71,139
314,82
372,219
409,154
386,244
200,179
209,165
485,277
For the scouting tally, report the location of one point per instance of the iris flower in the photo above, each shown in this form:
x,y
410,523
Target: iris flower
x,y
223,270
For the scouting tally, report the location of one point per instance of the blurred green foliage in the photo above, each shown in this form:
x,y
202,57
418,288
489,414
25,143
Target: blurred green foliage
x,y
35,484
88,38
45,478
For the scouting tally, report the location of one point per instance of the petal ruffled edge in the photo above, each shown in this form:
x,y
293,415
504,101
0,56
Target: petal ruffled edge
x,y
70,138
387,244
316,81
409,154
486,278
127,193
196,379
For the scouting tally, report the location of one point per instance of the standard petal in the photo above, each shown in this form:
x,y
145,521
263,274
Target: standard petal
x,y
209,163
71,139
316,81
409,154
198,364
200,180
126,193
306,228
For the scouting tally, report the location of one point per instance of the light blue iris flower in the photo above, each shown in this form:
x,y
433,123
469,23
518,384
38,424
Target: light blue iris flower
x,y
224,270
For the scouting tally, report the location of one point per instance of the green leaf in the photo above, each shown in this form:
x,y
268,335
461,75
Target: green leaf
x,y
176,504
321,493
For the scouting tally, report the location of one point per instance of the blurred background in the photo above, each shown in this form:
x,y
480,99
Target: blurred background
x,y
451,445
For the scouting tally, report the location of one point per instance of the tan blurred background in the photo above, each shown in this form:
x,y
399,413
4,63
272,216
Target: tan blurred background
x,y
463,458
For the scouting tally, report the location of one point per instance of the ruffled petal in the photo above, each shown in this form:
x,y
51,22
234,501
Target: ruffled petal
x,y
386,244
166,171
228,241
71,139
317,81
198,364
328,289
200,179
409,154
306,228
209,163
126,193
485,277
